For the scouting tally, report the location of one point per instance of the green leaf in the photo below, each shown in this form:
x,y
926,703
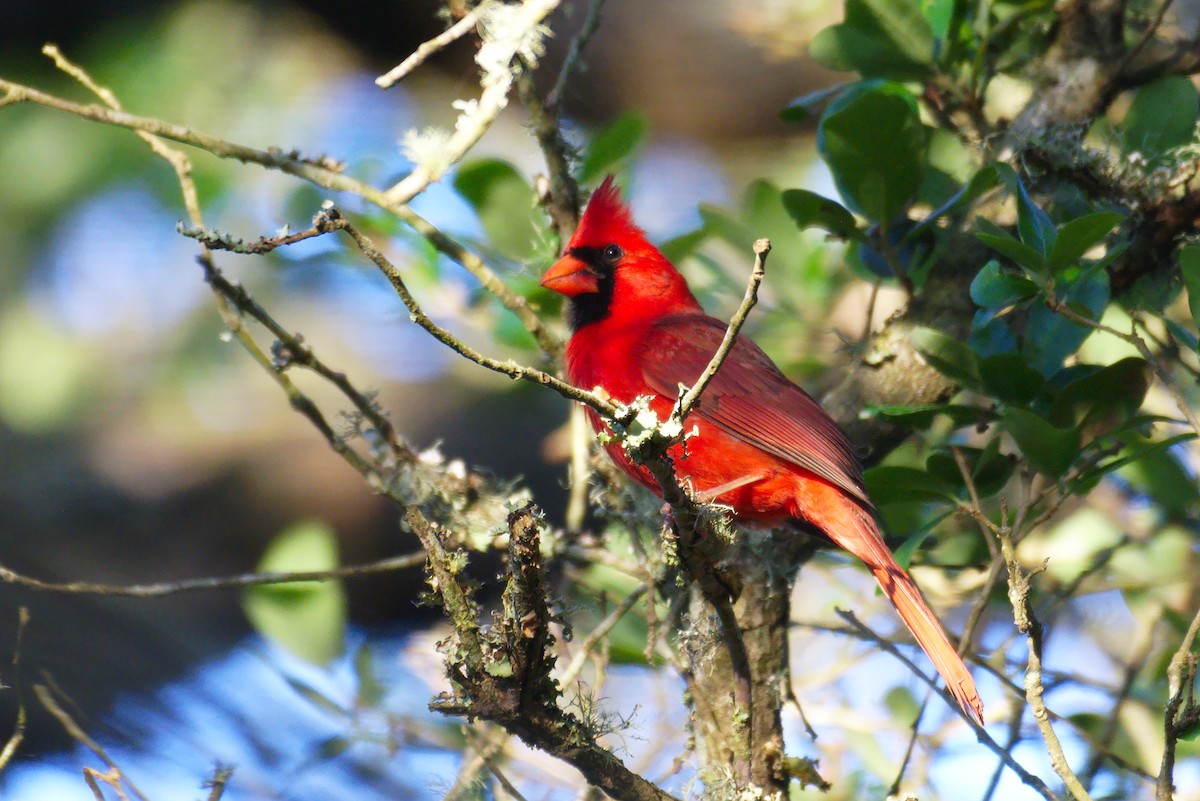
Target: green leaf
x,y
948,355
874,143
921,417
805,106
1163,115
878,38
1189,267
505,204
1006,245
718,223
992,287
306,618
809,210
1049,450
613,144
1088,480
1008,378
1077,236
680,247
1051,337
888,484
1033,224
316,698
984,180
1106,397
370,691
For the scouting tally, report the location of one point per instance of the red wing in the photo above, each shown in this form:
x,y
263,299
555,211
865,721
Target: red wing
x,y
750,398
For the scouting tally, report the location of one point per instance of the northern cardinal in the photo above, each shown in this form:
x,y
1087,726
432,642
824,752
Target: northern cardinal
x,y
763,447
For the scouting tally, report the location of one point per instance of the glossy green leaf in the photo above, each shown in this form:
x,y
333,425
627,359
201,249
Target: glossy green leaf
x,y
983,181
1051,337
921,417
811,210
805,106
888,484
1106,397
951,357
1189,268
1006,245
1050,450
1163,115
1034,226
993,287
612,145
306,618
1008,378
878,38
990,335
1077,236
874,144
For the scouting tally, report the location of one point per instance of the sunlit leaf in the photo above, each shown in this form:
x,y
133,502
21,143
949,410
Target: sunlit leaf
x,y
306,618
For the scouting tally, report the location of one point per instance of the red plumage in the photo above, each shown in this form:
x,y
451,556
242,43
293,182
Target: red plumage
x,y
763,447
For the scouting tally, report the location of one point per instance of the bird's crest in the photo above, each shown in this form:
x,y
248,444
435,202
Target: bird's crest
x,y
606,219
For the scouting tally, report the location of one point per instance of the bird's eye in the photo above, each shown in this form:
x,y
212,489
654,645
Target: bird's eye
x,y
612,253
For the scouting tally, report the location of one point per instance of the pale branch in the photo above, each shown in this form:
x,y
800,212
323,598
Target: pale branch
x,y
1182,713
161,589
321,172
478,115
1028,624
426,49
762,247
863,631
216,240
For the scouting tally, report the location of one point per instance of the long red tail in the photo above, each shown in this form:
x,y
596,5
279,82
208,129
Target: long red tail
x,y
856,531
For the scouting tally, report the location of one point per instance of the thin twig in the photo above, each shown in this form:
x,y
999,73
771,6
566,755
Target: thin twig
x,y
426,49
18,735
762,247
981,734
595,635
47,699
320,172
510,368
1028,624
165,588
1181,680
591,23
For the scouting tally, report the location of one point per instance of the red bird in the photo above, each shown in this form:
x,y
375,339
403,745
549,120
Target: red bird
x,y
763,447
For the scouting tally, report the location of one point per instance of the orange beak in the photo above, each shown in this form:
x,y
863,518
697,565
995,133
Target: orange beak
x,y
571,276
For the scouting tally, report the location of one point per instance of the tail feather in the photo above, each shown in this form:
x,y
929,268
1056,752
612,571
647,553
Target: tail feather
x,y
859,534
916,614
